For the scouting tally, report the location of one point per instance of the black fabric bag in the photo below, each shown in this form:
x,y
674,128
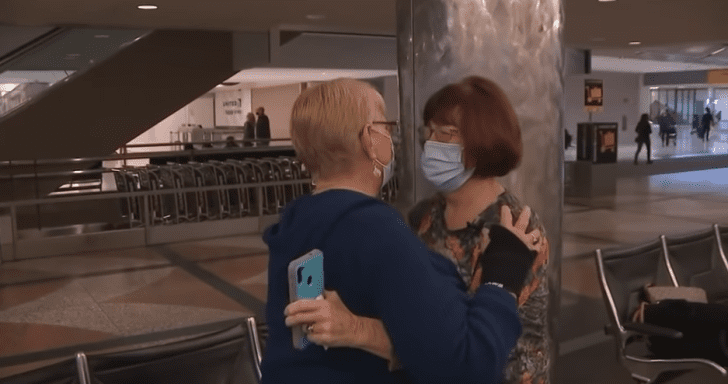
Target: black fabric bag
x,y
703,327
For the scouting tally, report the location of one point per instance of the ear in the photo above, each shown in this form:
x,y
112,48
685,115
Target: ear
x,y
367,144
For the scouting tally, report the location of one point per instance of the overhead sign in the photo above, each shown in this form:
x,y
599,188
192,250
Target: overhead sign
x,y
718,76
593,95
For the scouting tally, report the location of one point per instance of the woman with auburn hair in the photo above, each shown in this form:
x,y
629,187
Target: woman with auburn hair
x,y
472,137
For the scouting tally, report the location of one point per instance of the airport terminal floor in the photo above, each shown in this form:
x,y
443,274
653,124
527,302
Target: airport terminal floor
x,y
92,297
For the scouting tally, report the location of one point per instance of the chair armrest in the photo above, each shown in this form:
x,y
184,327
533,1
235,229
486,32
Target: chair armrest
x,y
653,330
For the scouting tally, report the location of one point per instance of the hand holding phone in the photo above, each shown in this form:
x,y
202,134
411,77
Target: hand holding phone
x,y
305,281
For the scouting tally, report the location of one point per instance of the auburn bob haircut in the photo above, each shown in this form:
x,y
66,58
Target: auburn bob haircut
x,y
487,123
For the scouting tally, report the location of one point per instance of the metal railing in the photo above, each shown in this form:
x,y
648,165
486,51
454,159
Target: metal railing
x,y
172,194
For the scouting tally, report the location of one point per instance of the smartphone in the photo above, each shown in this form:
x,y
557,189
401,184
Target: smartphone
x,y
305,281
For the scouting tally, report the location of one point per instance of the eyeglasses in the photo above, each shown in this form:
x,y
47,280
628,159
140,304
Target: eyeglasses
x,y
392,126
442,133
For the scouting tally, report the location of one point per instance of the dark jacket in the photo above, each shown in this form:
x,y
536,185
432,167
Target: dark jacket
x,y
262,129
644,129
381,270
666,123
707,120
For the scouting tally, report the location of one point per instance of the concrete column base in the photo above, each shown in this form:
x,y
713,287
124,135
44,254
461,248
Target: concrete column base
x,y
586,179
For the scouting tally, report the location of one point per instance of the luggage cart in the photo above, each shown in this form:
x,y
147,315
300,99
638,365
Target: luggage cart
x,y
225,176
302,173
247,197
129,205
270,198
279,191
164,206
189,208
208,202
289,190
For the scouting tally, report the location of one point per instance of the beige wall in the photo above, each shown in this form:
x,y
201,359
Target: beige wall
x,y
278,102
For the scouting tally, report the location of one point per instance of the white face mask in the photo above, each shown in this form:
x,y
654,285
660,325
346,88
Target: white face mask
x,y
388,168
442,165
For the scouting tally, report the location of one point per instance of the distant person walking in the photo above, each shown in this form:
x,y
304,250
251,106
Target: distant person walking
x,y
667,127
249,130
705,123
662,121
262,127
644,129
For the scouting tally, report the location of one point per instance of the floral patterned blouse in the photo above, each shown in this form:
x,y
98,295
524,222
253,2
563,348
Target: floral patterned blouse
x,y
529,361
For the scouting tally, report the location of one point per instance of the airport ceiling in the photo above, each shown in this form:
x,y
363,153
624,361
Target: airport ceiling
x,y
678,30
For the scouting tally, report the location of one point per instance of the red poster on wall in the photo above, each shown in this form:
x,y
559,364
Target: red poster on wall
x,y
593,95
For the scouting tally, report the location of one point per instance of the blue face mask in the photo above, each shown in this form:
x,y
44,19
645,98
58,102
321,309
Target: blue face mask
x,y
443,166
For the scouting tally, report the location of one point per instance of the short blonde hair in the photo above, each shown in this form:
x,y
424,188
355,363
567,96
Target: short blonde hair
x,y
326,121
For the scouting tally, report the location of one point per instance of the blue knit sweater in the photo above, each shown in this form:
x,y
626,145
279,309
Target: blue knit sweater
x,y
381,270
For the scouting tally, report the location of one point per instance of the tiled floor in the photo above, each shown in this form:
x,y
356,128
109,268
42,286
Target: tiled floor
x,y
100,296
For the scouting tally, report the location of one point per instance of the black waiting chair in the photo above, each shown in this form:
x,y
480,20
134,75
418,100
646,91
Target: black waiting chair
x,y
623,273
722,233
70,371
222,357
257,345
697,260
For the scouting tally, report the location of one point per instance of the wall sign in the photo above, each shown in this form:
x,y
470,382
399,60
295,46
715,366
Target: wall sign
x,y
593,95
231,108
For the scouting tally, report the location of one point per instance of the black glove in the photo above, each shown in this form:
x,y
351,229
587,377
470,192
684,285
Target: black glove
x,y
506,261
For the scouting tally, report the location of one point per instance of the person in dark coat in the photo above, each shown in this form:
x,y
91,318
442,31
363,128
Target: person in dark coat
x,y
667,127
249,130
662,121
705,123
262,127
644,129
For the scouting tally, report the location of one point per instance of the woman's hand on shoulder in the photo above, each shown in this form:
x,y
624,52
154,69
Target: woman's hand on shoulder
x,y
534,239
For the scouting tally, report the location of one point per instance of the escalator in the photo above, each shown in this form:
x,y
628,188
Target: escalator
x,y
115,85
